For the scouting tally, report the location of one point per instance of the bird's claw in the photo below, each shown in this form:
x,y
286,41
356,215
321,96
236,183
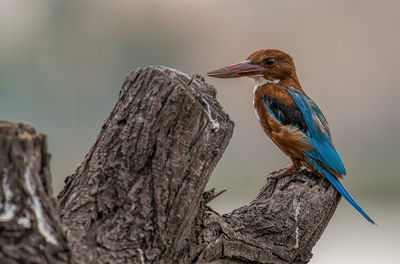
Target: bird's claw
x,y
289,170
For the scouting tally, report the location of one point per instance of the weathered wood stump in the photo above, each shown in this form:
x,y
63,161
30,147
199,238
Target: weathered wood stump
x,y
29,225
138,197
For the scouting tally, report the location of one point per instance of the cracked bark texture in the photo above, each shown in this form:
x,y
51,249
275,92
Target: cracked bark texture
x,y
138,197
29,226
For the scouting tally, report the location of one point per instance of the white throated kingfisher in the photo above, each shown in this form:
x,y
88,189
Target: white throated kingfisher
x,y
290,118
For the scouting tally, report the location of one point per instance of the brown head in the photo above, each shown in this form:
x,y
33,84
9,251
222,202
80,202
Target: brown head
x,y
265,66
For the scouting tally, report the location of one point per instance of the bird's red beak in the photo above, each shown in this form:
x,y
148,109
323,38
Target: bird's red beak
x,y
244,68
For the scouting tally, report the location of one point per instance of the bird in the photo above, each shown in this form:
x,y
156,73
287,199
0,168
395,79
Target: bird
x,y
290,118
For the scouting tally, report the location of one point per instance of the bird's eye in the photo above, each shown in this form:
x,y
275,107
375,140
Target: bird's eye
x,y
269,61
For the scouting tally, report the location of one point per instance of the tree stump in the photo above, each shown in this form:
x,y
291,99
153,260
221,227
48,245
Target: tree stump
x,y
29,225
138,196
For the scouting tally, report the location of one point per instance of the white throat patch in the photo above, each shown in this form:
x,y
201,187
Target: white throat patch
x,y
260,80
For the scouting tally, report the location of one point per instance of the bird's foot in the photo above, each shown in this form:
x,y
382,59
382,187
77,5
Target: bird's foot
x,y
288,170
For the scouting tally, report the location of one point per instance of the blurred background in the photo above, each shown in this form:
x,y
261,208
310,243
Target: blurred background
x,y
62,64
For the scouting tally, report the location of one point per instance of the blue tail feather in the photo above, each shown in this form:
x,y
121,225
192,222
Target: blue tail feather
x,y
341,189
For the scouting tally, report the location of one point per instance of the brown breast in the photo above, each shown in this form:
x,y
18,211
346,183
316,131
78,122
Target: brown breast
x,y
289,139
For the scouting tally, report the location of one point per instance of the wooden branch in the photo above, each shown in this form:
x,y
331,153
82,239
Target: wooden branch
x,y
138,195
29,226
281,225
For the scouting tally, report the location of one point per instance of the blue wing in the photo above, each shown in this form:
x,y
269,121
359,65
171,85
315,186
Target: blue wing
x,y
318,132
324,152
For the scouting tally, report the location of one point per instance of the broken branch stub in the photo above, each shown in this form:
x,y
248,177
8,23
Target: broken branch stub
x,y
29,225
140,186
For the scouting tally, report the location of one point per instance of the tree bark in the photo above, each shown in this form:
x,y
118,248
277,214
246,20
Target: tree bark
x,y
29,226
138,196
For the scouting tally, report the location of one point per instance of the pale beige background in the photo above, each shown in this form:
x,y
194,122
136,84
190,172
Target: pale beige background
x,y
62,64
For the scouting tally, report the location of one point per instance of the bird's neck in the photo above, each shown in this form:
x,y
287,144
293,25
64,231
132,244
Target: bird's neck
x,y
292,82
261,80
